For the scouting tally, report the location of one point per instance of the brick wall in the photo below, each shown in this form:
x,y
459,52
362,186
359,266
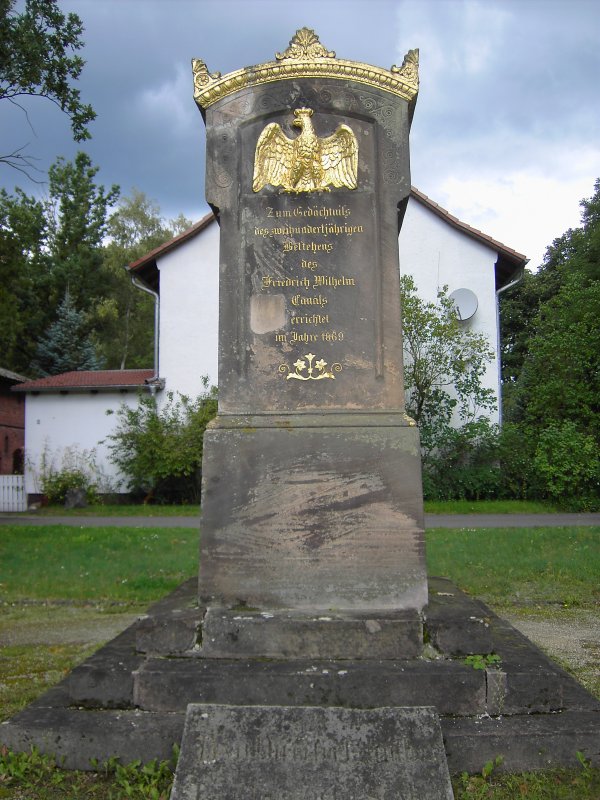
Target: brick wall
x,y
12,428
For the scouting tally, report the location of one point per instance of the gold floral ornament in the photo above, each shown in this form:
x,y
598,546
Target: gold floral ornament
x,y
307,163
305,45
202,76
410,67
313,373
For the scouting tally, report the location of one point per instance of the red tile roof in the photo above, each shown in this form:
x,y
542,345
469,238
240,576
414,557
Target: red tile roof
x,y
92,381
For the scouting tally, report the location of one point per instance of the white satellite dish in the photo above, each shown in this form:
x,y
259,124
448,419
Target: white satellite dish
x,y
465,302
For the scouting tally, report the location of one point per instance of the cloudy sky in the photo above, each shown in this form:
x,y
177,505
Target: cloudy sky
x,y
506,133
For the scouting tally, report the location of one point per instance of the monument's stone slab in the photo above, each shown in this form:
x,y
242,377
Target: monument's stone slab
x,y
282,753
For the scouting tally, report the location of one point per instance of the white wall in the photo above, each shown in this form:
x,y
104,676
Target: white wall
x,y
189,313
431,251
54,422
435,254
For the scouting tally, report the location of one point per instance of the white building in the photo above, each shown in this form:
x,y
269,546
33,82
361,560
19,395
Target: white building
x,y
69,410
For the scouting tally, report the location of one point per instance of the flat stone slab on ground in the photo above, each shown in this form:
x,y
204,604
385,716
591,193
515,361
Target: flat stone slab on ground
x,y
311,753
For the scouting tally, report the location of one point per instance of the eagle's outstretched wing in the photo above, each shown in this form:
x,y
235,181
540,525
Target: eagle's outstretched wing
x,y
339,157
273,158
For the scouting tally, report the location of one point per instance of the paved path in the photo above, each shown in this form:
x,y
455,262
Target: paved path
x,y
431,521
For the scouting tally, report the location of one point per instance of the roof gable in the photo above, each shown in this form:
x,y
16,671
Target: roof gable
x,y
508,265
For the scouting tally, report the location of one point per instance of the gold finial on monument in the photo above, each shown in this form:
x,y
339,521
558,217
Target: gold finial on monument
x,y
410,67
305,46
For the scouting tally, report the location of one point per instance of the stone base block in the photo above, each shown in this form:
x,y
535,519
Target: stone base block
x,y
316,513
280,634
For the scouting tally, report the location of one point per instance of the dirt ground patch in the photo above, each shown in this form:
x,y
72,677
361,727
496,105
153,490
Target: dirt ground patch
x,y
62,624
570,636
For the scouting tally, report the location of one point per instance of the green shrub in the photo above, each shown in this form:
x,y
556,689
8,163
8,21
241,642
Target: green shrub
x,y
568,465
77,469
159,449
463,464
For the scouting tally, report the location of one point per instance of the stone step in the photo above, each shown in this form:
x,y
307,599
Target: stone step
x,y
171,684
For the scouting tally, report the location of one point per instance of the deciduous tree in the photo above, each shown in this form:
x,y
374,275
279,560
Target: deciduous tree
x,y
38,57
124,317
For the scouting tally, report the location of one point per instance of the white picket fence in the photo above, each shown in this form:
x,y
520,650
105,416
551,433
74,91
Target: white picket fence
x,y
12,493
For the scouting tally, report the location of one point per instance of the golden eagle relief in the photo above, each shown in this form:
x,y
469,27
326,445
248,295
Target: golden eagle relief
x,y
307,163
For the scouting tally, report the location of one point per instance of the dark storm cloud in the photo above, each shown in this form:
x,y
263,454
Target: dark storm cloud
x,y
508,105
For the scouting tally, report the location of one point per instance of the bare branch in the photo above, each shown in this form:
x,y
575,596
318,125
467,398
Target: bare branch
x,y
24,110
22,163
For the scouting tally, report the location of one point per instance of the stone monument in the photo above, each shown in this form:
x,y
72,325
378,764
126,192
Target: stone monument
x,y
312,499
294,668
312,526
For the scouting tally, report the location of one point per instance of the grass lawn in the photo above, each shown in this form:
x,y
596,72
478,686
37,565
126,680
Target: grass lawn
x,y
120,510
431,507
104,571
488,507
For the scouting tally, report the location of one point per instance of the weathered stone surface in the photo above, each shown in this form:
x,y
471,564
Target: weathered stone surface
x,y
170,685
105,679
282,753
75,737
168,634
76,498
312,493
281,634
313,518
526,742
457,625
339,248
463,696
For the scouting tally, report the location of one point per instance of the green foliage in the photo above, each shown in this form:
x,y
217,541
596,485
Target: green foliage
x,y
567,461
123,319
76,470
557,566
159,448
78,213
444,363
551,344
38,57
138,781
481,662
65,345
38,774
24,271
557,784
72,244
462,463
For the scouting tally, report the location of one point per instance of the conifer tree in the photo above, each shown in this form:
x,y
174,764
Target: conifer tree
x,y
66,345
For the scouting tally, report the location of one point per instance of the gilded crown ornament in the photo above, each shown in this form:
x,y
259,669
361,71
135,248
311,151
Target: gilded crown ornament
x,y
307,163
306,57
